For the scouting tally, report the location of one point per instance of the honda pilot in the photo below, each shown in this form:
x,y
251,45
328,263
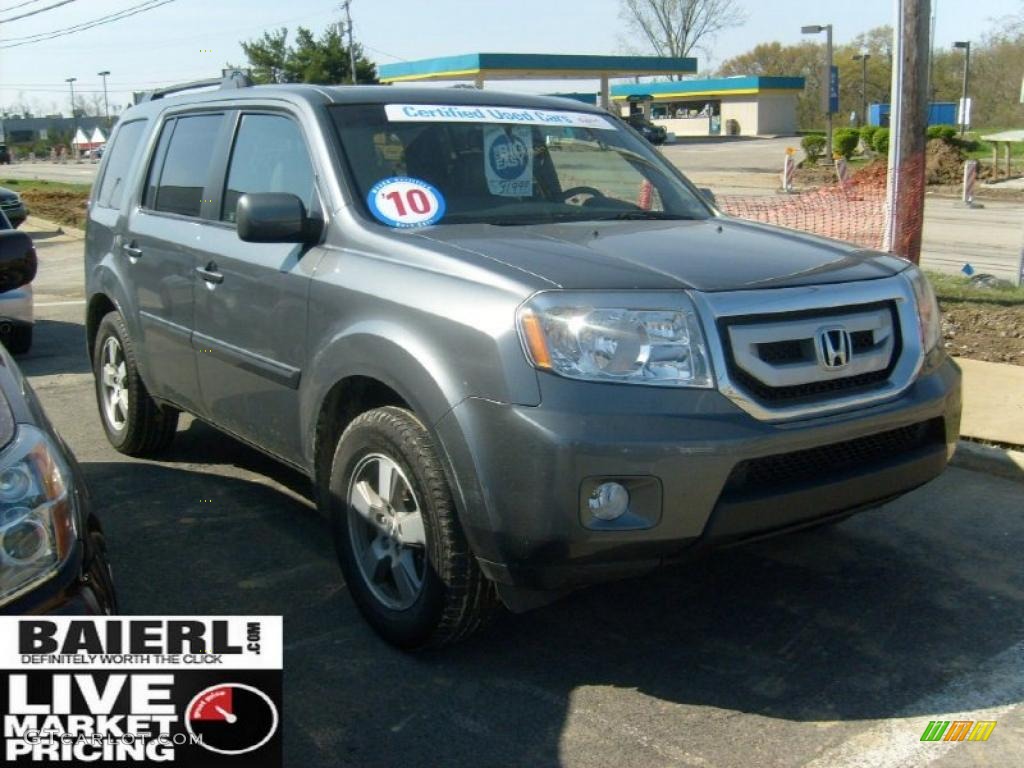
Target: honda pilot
x,y
514,349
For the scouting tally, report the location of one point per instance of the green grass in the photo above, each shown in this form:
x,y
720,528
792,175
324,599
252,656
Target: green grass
x,y
959,289
25,185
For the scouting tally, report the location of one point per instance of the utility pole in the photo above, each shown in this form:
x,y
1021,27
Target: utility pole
x,y
863,59
908,119
346,6
106,105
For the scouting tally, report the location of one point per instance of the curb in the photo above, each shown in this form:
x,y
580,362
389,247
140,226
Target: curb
x,y
992,461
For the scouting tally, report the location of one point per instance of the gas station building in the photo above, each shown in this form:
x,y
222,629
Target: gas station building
x,y
750,105
747,105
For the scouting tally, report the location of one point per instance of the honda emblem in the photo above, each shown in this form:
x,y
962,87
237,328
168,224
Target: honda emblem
x,y
835,348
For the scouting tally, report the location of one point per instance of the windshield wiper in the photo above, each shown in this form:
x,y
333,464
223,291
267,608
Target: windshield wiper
x,y
644,216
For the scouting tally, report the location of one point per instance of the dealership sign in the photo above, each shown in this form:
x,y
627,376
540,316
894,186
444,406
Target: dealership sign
x,y
191,691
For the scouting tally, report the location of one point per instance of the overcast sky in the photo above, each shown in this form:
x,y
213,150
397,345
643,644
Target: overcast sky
x,y
170,43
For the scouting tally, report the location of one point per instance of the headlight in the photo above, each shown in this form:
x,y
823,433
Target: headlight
x,y
580,338
928,315
37,520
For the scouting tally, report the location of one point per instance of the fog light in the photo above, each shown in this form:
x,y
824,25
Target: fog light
x,y
609,501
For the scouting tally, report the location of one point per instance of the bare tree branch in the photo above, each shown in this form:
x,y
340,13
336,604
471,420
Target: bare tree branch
x,y
679,27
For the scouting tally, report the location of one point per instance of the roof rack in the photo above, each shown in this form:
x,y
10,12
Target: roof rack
x,y
229,79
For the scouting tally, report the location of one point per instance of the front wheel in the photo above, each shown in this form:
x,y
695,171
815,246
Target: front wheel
x,y
400,545
135,424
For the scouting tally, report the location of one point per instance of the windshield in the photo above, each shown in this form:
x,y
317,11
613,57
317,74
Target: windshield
x,y
419,165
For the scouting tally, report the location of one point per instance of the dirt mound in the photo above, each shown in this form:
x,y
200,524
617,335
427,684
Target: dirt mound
x,y
944,163
61,206
872,176
984,332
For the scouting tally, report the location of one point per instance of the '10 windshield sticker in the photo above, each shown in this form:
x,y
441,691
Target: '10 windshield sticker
x,y
447,113
402,201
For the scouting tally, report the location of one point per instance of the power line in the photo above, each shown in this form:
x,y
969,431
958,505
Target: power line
x,y
149,5
16,6
37,10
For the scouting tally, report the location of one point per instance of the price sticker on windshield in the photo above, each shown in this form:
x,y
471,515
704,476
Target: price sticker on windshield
x,y
404,202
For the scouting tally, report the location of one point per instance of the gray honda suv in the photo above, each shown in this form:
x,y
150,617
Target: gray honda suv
x,y
513,348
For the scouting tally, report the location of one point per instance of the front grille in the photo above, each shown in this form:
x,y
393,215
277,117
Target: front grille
x,y
831,462
810,390
802,350
783,343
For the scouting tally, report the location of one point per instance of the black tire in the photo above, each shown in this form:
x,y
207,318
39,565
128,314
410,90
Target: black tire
x,y
19,340
148,428
455,598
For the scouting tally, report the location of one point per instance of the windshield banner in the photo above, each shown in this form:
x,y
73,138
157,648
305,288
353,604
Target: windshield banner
x,y
441,113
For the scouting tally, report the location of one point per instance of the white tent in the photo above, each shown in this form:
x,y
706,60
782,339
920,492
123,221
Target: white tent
x,y
80,141
97,139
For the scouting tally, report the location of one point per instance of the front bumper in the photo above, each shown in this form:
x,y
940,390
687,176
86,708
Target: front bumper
x,y
82,587
523,474
16,214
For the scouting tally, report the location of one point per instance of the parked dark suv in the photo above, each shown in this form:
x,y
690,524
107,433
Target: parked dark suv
x,y
514,349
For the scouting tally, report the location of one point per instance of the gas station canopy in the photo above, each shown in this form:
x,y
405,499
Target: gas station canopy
x,y
480,67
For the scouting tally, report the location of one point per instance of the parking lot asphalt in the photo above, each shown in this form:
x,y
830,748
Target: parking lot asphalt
x,y
833,647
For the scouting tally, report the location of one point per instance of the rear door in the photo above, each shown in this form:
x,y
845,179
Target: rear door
x,y
165,242
251,303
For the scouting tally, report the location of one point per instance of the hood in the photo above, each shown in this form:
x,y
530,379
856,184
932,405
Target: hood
x,y
718,254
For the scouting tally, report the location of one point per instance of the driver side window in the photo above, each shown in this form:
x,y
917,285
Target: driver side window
x,y
578,164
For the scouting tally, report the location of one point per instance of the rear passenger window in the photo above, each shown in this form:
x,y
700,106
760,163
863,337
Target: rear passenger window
x,y
124,147
186,165
269,156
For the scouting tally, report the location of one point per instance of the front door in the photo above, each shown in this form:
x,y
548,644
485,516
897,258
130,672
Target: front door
x,y
251,298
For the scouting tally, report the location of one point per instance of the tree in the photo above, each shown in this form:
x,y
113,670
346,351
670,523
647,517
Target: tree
x,y
807,60
323,60
678,27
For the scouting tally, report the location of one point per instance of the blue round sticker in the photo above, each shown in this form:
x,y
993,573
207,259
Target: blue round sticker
x,y
403,201
509,156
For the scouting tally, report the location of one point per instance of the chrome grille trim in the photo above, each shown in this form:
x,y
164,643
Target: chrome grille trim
x,y
824,299
745,340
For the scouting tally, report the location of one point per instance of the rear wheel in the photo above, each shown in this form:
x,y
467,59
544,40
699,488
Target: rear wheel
x,y
401,547
135,424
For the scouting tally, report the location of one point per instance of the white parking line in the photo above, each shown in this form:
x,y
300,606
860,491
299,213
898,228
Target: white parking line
x,y
896,743
59,303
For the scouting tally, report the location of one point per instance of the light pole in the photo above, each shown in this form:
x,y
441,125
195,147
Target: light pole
x,y
815,29
106,105
863,59
74,118
966,45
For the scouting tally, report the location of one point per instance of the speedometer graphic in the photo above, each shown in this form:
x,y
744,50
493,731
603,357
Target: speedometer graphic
x,y
231,718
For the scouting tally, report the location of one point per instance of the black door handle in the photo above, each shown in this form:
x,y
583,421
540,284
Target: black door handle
x,y
131,251
210,274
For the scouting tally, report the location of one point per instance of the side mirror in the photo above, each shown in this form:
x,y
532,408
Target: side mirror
x,y
708,195
18,261
275,217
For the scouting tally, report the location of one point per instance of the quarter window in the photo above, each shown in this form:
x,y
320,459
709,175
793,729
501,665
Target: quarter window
x,y
186,166
123,150
269,156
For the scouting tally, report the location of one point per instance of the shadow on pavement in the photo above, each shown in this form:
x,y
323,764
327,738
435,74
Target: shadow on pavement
x,y
57,347
854,622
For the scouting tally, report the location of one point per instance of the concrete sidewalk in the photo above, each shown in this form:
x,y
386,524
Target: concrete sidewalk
x,y
993,401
